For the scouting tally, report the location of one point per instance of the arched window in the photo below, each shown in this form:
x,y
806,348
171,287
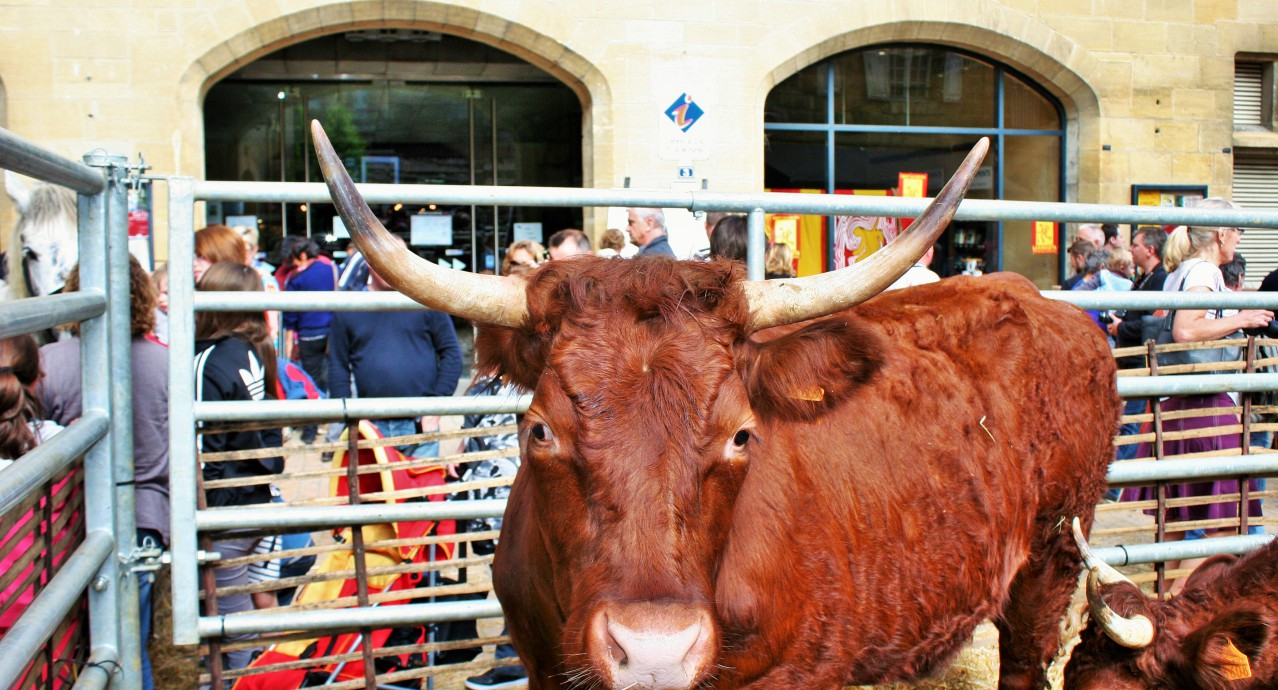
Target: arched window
x,y
855,122
400,106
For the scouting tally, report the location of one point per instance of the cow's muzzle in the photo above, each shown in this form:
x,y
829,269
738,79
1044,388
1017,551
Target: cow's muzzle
x,y
652,646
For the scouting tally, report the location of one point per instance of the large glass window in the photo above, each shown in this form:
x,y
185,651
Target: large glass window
x,y
855,122
400,106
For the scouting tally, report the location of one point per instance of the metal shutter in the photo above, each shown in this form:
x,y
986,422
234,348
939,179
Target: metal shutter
x,y
1248,90
1256,186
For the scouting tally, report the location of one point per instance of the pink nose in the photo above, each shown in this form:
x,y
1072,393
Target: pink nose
x,y
653,646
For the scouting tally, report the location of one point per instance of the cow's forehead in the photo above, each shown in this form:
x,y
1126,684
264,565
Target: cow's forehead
x,y
625,361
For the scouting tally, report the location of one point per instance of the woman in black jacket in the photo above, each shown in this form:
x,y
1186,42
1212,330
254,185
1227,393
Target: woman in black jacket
x,y
235,360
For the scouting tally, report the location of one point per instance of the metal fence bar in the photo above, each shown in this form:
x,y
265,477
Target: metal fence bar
x,y
351,408
182,463
1127,473
1194,384
39,313
95,386
738,202
336,619
49,459
393,301
1148,301
320,410
24,157
96,673
1180,550
757,245
1142,472
327,517
23,641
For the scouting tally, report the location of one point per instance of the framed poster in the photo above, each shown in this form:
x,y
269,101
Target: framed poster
x,y
1171,195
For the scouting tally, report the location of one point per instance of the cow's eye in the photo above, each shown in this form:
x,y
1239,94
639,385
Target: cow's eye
x,y
540,432
741,439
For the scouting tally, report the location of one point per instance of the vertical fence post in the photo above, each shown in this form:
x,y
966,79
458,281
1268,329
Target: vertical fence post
x,y
99,477
120,359
757,247
182,465
1160,489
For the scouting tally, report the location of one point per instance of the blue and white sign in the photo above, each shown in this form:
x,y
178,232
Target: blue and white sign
x,y
684,112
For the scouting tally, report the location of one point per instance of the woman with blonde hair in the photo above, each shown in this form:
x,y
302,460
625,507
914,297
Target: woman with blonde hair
x,y
1194,255
779,262
527,253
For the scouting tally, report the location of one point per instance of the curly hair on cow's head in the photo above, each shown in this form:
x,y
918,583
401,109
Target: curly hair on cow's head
x,y
588,292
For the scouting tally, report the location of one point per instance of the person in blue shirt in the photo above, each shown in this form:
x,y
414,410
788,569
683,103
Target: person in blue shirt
x,y
395,354
306,332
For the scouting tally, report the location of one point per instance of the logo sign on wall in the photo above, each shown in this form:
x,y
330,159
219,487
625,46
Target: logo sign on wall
x,y
677,144
684,112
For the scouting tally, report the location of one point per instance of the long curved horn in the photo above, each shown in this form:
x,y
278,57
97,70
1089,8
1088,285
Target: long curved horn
x,y
1136,632
785,301
487,299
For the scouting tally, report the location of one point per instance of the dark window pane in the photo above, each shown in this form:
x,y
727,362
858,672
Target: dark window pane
x,y
795,160
913,86
801,98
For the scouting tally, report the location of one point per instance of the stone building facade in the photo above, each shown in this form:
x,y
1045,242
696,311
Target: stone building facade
x,y
1146,88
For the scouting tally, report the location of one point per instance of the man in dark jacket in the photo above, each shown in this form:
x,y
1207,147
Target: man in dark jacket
x,y
1147,254
393,355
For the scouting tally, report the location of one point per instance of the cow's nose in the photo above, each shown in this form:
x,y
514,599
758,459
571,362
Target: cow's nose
x,y
654,647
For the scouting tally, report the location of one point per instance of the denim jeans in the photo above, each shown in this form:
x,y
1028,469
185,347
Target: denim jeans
x,y
1128,452
145,581
313,353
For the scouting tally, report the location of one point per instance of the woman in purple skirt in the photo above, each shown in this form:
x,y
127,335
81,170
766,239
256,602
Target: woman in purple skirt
x,y
1193,255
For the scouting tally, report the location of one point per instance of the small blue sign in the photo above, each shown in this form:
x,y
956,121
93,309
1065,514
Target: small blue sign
x,y
685,172
684,113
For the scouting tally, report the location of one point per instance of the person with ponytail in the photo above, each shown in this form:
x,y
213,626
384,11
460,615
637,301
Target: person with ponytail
x,y
1193,256
235,360
22,426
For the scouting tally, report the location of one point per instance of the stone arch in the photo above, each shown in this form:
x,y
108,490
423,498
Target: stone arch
x,y
276,32
1053,61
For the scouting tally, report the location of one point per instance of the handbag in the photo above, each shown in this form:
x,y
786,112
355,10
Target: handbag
x,y
1161,330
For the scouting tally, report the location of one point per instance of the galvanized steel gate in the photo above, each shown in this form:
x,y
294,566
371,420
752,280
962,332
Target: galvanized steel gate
x,y
194,527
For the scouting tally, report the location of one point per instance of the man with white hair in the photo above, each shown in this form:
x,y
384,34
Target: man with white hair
x,y
647,228
1091,232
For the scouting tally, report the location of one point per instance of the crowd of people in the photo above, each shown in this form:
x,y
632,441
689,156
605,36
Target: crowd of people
x,y
1186,259
251,356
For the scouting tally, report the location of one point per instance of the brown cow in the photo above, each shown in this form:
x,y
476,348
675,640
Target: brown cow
x,y
1217,634
735,484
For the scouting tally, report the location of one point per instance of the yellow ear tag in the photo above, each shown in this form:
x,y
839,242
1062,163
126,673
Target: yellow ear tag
x,y
1233,663
814,394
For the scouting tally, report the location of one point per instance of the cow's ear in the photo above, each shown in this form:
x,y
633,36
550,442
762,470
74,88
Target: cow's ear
x,y
1210,570
517,354
1225,649
802,373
